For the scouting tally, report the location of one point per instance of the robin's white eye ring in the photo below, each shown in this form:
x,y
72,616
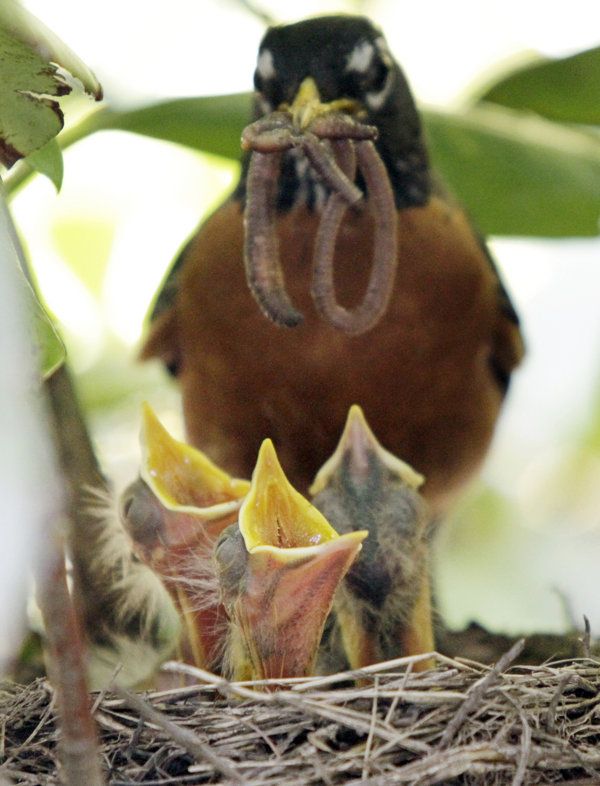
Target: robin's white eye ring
x,y
265,67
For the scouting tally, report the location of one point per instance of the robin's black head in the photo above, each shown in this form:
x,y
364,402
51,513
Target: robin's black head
x,y
348,58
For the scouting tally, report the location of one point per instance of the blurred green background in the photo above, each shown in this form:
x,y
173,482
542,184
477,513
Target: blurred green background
x,y
521,552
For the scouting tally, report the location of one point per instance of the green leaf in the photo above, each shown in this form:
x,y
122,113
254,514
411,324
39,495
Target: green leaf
x,y
567,89
52,352
29,58
519,174
48,161
42,338
212,124
45,341
516,173
84,242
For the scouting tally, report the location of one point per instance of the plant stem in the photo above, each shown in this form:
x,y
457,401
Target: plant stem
x,y
78,739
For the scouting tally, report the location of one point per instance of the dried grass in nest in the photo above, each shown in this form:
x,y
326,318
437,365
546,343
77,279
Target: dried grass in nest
x,y
460,723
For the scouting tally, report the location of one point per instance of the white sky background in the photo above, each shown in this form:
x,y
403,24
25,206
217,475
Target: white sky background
x,y
155,193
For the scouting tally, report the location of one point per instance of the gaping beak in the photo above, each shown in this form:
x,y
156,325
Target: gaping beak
x,y
174,513
383,607
183,478
357,449
280,590
307,104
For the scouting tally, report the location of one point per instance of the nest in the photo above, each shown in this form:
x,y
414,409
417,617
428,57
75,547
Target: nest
x,y
459,723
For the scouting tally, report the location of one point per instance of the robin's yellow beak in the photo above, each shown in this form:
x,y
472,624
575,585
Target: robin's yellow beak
x,y
294,563
307,105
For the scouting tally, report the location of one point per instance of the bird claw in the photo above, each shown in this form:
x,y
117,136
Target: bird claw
x,y
333,143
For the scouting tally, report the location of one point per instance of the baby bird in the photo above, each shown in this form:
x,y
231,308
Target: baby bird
x,y
383,605
130,622
174,513
278,571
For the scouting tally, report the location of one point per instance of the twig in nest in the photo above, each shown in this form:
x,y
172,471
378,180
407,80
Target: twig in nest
x,y
368,746
478,691
553,706
586,639
521,771
184,737
334,144
321,735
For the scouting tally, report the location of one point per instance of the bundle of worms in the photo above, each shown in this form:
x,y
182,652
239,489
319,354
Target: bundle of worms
x,y
336,146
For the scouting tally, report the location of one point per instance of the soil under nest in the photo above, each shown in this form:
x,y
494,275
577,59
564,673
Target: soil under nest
x,y
460,723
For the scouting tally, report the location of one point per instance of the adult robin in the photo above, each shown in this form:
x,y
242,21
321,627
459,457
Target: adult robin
x,y
430,370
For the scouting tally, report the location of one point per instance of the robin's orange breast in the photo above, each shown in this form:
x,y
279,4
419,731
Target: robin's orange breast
x,y
423,375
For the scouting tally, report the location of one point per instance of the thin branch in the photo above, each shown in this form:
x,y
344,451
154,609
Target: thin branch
x,y
78,741
184,737
478,691
258,11
586,639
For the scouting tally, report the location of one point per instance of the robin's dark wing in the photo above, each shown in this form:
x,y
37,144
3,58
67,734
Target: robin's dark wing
x,y
162,339
508,347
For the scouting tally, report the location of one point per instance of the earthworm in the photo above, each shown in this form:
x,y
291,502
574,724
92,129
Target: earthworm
x,y
327,168
268,138
384,263
261,246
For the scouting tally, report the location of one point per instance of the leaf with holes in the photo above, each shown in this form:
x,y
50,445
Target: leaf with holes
x,y
30,56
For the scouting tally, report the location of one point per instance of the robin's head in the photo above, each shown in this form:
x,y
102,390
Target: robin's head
x,y
335,126
344,62
346,56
